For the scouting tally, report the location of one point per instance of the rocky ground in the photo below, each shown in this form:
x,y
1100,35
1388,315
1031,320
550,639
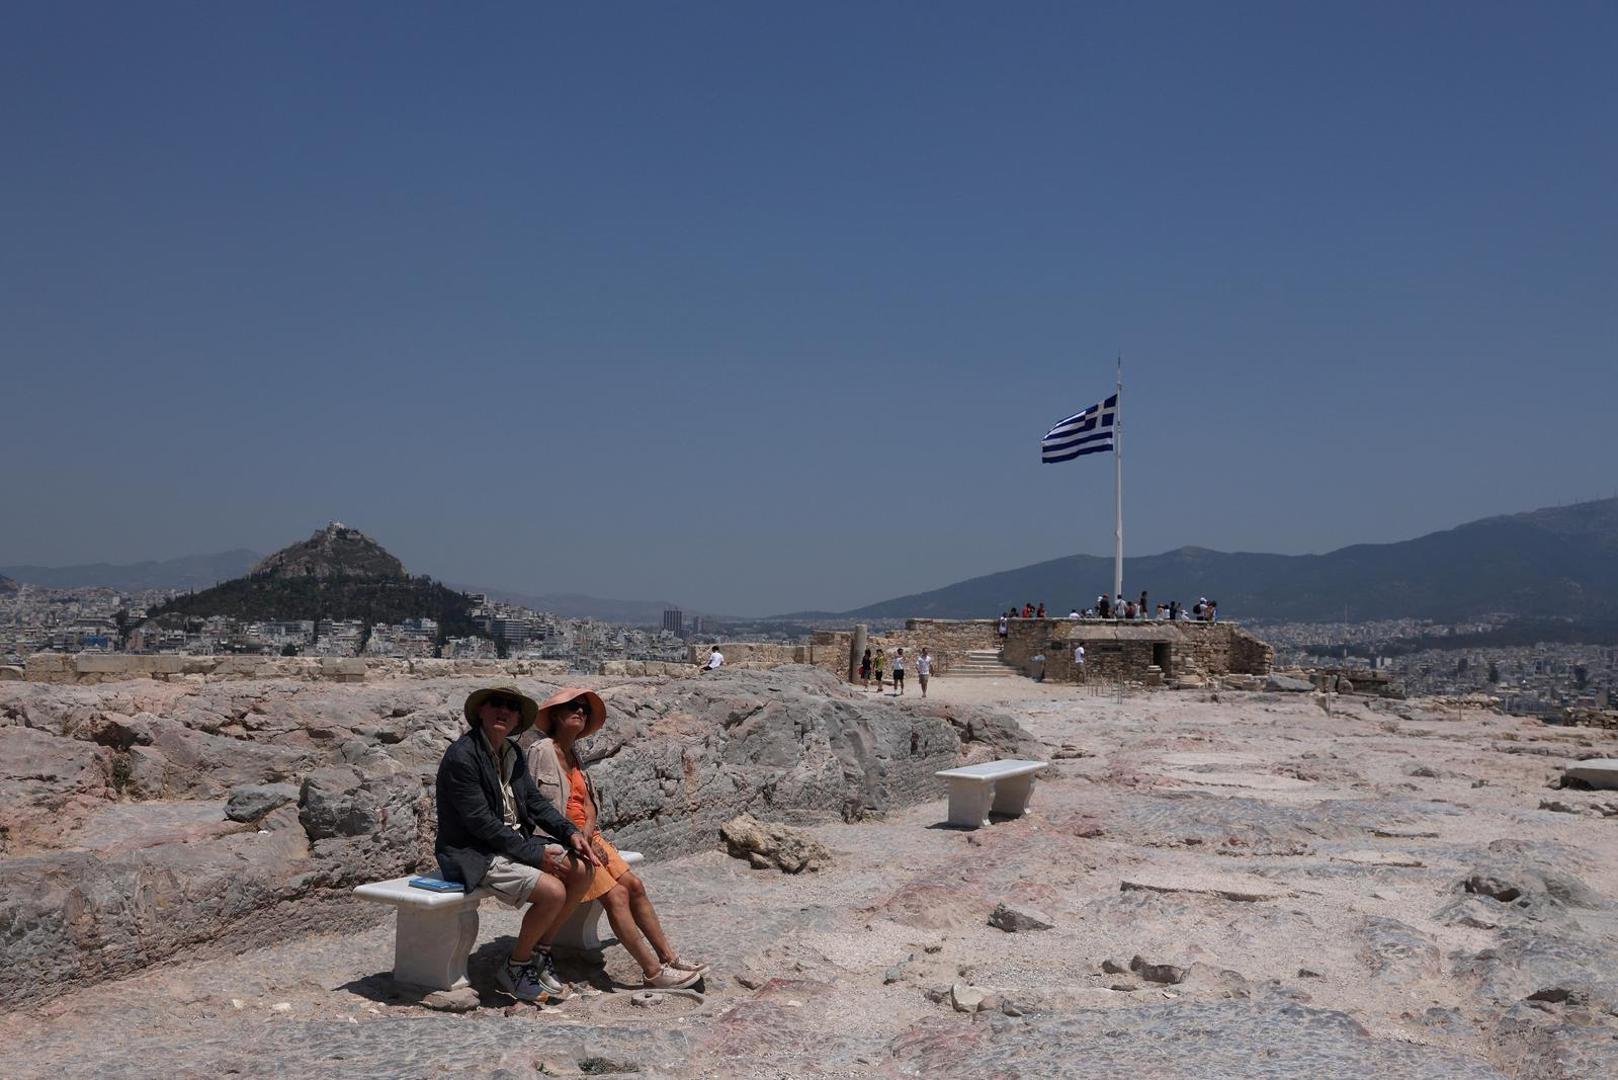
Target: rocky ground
x,y
1238,885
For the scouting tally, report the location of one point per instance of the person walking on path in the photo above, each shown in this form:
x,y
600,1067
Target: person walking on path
x,y
493,833
924,668
865,669
899,672
879,660
1002,629
1078,661
558,771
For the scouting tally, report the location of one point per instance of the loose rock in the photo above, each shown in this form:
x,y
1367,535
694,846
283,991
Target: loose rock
x,y
771,844
1013,919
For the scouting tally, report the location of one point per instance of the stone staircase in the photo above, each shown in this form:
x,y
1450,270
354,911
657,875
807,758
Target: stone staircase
x,y
981,664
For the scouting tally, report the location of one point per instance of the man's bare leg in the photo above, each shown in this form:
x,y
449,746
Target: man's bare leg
x,y
549,897
575,882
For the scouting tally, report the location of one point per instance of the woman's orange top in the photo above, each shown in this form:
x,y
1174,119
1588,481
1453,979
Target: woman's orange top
x,y
578,796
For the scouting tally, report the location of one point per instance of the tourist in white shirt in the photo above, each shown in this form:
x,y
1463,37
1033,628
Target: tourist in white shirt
x,y
716,660
924,668
1078,661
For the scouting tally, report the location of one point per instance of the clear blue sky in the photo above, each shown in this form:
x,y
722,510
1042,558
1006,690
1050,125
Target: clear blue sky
x,y
756,306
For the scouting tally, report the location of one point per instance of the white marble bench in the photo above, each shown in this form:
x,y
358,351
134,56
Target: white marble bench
x,y
437,931
1000,787
1597,772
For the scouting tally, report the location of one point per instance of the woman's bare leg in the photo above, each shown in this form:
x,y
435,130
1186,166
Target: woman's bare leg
x,y
622,921
640,905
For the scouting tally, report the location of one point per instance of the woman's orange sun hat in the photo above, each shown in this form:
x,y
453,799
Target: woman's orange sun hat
x,y
598,710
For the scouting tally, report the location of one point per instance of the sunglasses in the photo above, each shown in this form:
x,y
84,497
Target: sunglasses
x,y
580,705
501,702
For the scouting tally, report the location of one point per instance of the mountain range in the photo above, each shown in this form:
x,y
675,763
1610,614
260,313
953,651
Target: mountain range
x,y
1555,562
186,572
1559,561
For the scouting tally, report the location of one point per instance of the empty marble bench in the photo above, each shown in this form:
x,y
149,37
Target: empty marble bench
x,y
1599,773
997,787
437,931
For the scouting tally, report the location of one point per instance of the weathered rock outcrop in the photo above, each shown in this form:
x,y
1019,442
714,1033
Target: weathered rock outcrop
x,y
140,818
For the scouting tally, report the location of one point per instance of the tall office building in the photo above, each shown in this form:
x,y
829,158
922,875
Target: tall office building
x,y
674,622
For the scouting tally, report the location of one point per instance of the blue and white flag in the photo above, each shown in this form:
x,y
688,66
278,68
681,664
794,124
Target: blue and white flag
x,y
1088,432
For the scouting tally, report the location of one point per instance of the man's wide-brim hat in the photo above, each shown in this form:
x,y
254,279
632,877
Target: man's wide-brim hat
x,y
598,709
475,700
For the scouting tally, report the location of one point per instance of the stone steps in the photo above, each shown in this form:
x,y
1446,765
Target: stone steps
x,y
981,664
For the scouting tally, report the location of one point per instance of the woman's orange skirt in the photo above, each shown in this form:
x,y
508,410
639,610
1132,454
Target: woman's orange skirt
x,y
606,876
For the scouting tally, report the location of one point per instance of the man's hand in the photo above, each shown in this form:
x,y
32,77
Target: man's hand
x,y
581,845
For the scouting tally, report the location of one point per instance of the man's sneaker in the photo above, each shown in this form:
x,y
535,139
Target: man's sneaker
x,y
545,972
521,981
672,978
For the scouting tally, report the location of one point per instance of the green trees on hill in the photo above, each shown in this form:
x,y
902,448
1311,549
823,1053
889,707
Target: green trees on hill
x,y
372,600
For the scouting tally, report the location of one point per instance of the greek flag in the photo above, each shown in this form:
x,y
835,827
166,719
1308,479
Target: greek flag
x,y
1088,432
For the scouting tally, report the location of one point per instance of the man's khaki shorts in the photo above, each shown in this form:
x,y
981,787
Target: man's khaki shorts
x,y
513,882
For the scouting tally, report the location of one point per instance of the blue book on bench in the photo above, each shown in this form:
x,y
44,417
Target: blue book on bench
x,y
436,884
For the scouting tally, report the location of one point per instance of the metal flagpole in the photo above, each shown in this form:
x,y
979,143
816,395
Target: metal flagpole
x,y
1118,488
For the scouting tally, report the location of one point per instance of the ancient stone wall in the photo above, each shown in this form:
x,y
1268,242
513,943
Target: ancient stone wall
x,y
947,640
1127,650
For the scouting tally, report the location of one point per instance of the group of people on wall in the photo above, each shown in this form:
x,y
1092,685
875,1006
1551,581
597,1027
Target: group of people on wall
x,y
1204,610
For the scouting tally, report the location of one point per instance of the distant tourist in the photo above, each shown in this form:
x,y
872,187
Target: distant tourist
x,y
1104,606
1174,610
1078,661
1143,607
924,669
558,771
1002,629
879,661
1118,606
899,671
1028,611
1073,613
865,669
1196,609
493,828
1039,667
1129,609
1162,611
1211,612
716,660
1040,612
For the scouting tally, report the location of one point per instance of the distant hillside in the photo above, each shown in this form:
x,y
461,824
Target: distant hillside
x,y
335,551
187,572
1560,561
338,573
7,586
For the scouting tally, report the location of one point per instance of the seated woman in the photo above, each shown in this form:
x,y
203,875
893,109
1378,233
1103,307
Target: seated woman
x,y
554,762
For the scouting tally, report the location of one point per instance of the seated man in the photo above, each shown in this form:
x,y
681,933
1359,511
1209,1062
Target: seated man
x,y
488,813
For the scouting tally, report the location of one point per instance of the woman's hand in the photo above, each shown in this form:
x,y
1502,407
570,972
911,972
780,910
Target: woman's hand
x,y
581,845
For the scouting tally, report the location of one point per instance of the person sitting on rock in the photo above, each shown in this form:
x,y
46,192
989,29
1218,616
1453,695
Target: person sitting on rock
x,y
493,827
557,770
